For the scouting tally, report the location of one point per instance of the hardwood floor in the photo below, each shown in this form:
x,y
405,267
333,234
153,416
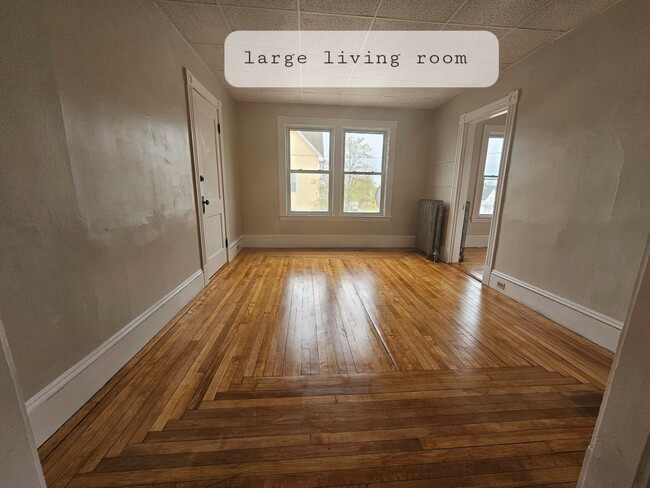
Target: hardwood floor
x,y
331,368
473,262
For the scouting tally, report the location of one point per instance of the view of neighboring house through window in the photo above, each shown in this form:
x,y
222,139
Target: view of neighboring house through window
x,y
309,170
486,185
335,168
363,168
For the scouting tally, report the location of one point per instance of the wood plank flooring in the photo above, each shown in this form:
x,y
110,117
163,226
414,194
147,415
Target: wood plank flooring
x,y
341,368
473,262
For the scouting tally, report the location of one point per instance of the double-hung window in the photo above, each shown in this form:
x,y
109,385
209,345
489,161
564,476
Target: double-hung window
x,y
363,171
488,174
335,168
310,172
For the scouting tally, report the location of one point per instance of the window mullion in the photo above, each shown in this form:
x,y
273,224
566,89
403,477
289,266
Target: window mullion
x,y
337,175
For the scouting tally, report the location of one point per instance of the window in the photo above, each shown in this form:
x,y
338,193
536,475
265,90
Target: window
x,y
309,170
335,168
363,171
488,176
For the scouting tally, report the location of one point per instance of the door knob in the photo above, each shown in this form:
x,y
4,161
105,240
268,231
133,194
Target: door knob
x,y
204,202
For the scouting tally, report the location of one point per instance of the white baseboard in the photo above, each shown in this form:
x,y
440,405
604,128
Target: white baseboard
x,y
235,247
588,323
57,402
476,241
329,241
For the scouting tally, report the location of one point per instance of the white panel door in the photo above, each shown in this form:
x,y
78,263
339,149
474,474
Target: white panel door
x,y
206,123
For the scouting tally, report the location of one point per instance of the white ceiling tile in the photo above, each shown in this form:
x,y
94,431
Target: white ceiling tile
x,y
361,100
369,92
520,42
406,25
347,7
497,31
272,91
434,11
282,96
203,24
321,98
197,22
563,15
278,4
430,103
424,92
242,18
212,54
333,22
246,95
397,102
323,91
500,13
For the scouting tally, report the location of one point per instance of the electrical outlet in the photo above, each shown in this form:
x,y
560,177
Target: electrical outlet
x,y
501,284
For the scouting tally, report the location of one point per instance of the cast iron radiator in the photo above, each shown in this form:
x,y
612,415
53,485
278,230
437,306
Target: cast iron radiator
x,y
429,233
463,237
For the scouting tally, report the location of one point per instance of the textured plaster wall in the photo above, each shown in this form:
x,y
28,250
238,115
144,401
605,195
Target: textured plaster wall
x,y
577,203
97,217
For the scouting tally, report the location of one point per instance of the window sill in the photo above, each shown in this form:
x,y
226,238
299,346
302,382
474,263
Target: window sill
x,y
337,218
481,219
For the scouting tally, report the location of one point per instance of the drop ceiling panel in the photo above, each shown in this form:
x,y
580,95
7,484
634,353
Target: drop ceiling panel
x,y
347,7
278,4
434,11
520,42
197,22
501,13
244,18
333,22
522,27
563,15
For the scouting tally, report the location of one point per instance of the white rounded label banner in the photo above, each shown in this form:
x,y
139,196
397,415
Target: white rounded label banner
x,y
336,59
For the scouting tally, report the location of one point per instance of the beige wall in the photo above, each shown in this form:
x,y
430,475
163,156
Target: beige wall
x,y
618,455
575,214
258,150
96,198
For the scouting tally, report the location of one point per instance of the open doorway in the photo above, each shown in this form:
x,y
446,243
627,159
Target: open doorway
x,y
482,157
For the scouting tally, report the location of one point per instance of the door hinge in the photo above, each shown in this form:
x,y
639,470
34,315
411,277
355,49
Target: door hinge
x,y
219,128
226,242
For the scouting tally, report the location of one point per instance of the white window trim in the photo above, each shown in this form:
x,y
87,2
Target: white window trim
x,y
488,130
337,127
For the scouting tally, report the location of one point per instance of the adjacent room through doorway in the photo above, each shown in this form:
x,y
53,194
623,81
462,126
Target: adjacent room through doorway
x,y
482,162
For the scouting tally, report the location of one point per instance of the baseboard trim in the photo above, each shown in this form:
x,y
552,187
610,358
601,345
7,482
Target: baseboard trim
x,y
328,241
588,323
57,402
477,241
235,248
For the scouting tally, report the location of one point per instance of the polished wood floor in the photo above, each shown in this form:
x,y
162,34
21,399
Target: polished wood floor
x,y
473,262
341,368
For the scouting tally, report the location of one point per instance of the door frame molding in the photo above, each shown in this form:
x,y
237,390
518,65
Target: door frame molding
x,y
507,104
192,84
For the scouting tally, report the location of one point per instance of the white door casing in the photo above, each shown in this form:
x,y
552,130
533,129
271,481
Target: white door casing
x,y
508,105
206,144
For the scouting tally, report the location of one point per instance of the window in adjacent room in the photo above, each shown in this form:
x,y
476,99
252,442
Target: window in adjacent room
x,y
488,176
